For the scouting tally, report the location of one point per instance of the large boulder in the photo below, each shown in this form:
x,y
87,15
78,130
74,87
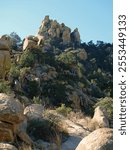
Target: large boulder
x,y
30,42
66,35
5,146
100,139
12,121
11,110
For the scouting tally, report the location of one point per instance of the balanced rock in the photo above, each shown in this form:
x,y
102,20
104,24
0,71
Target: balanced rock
x,y
100,139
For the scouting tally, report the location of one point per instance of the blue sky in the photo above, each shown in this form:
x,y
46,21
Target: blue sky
x,y
92,17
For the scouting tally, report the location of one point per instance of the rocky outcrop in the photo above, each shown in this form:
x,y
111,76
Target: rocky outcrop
x,y
51,29
5,59
12,120
30,42
99,139
76,36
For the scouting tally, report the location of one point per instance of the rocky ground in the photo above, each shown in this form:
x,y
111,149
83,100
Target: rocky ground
x,y
43,129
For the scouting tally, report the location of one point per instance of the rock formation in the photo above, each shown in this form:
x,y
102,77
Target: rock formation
x,y
5,59
30,42
52,29
76,36
12,120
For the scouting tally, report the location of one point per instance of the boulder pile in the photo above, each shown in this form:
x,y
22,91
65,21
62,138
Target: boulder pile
x,y
12,120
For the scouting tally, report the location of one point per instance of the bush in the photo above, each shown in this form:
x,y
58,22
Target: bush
x,y
14,71
64,110
5,88
27,59
46,130
37,100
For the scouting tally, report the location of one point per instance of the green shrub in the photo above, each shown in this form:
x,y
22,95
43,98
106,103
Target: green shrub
x,y
27,59
64,110
5,88
37,100
46,130
14,71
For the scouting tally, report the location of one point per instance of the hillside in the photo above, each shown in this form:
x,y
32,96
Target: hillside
x,y
56,70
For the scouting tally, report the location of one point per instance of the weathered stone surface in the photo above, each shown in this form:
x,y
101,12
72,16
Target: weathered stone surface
x,y
76,36
12,121
29,44
6,132
5,62
100,117
7,39
34,111
66,36
40,40
32,38
100,139
3,45
52,29
5,59
11,110
20,131
5,146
